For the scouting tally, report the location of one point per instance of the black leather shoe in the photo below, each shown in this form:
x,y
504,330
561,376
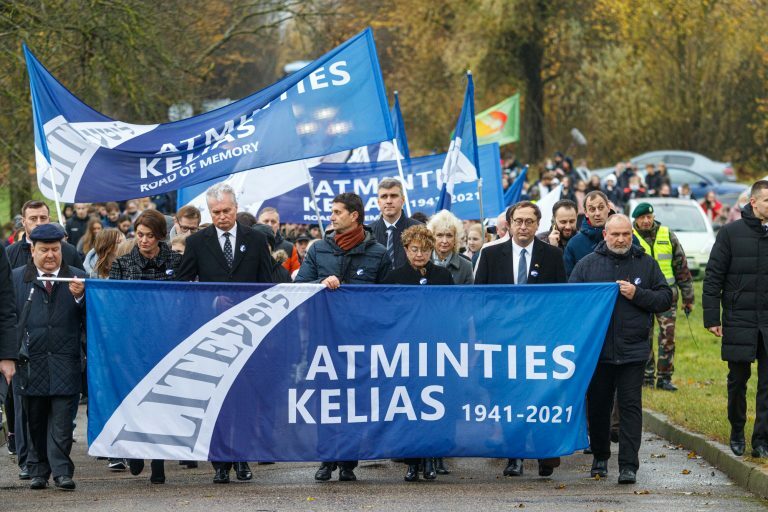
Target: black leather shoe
x,y
190,464
325,471
588,450
64,482
514,467
38,483
440,468
547,466
136,466
614,435
221,476
158,472
413,473
627,476
347,475
24,474
738,443
760,451
429,469
243,471
11,444
599,468
665,385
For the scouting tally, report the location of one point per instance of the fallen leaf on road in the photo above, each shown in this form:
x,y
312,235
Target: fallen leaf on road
x,y
658,455
644,491
686,472
310,498
560,486
691,455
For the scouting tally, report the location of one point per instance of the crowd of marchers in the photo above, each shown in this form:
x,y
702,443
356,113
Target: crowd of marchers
x,y
42,335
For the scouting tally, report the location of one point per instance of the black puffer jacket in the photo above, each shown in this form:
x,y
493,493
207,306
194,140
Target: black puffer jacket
x,y
55,325
737,279
626,340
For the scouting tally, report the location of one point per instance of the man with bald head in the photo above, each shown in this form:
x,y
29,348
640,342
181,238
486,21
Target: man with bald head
x,y
643,291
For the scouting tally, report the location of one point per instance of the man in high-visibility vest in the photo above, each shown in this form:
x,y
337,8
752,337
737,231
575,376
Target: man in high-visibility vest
x,y
660,243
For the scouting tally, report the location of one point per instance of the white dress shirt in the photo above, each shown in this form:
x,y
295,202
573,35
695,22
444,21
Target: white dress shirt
x,y
516,250
55,273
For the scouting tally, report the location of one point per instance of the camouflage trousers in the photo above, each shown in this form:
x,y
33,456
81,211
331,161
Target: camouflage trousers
x,y
666,344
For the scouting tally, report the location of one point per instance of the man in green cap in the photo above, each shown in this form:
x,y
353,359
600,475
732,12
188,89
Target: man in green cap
x,y
661,244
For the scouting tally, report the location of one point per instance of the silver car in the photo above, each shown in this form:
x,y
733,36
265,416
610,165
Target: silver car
x,y
686,219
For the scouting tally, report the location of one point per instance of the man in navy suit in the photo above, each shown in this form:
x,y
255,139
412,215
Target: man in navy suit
x,y
226,252
393,221
523,259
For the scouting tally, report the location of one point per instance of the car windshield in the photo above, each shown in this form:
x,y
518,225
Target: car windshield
x,y
681,218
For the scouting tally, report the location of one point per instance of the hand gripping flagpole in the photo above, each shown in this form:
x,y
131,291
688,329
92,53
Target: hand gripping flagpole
x,y
402,175
56,195
311,186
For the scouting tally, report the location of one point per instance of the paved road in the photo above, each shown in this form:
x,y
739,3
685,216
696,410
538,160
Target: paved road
x,y
669,479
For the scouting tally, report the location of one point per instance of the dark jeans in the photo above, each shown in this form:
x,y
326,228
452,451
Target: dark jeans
x,y
21,425
626,382
738,375
50,435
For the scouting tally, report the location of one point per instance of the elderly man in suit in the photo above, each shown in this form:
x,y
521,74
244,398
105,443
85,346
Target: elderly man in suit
x,y
523,259
393,221
51,318
226,252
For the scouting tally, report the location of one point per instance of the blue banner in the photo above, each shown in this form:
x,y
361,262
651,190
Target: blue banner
x,y
335,103
196,371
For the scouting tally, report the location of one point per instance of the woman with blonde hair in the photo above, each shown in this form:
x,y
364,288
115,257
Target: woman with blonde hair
x,y
448,232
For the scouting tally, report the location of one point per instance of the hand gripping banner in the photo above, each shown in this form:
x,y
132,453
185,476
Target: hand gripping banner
x,y
335,103
196,371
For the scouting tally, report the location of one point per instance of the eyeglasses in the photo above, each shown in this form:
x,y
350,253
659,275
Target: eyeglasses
x,y
418,250
519,222
188,229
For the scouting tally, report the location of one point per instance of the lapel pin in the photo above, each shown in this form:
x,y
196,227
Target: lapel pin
x,y
423,280
242,248
534,273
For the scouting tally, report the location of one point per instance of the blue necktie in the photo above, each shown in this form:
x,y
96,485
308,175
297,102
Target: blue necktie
x,y
522,269
391,244
228,249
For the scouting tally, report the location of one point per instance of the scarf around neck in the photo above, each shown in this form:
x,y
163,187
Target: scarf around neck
x,y
351,238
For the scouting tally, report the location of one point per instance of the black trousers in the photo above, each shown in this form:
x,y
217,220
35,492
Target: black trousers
x,y
738,375
344,464
50,435
625,381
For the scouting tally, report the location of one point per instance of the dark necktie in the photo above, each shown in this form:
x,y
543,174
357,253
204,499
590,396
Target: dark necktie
x,y
228,249
391,245
48,284
522,269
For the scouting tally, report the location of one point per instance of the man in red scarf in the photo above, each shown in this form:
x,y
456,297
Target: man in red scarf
x,y
349,254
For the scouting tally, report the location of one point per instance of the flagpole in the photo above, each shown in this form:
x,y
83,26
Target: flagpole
x,y
402,178
56,196
311,185
480,204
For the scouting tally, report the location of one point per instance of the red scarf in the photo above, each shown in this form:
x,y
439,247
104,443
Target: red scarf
x,y
351,238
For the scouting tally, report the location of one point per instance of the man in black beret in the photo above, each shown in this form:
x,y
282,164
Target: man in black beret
x,y
47,380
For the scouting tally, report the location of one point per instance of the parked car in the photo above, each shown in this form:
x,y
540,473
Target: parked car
x,y
686,219
719,171
727,192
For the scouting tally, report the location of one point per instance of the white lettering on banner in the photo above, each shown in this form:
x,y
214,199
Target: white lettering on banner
x,y
430,360
172,412
229,131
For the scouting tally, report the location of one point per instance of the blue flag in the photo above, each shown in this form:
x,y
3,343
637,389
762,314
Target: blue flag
x,y
515,190
296,372
461,161
399,127
286,187
335,103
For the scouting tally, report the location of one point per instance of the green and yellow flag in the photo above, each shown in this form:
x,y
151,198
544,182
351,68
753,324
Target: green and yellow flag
x,y
500,123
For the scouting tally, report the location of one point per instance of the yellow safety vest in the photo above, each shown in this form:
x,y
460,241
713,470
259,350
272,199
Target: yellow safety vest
x,y
661,252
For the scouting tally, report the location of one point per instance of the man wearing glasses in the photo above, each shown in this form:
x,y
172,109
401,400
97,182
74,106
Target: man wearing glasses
x,y
523,259
186,222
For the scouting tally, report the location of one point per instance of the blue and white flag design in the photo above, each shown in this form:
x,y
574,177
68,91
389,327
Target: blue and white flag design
x,y
515,190
299,373
461,161
335,103
286,187
399,125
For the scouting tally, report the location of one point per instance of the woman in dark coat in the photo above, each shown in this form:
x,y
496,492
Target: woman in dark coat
x,y
418,242
150,260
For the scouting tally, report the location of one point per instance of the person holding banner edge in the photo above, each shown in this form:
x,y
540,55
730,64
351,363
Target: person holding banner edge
x,y
522,260
348,254
226,251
